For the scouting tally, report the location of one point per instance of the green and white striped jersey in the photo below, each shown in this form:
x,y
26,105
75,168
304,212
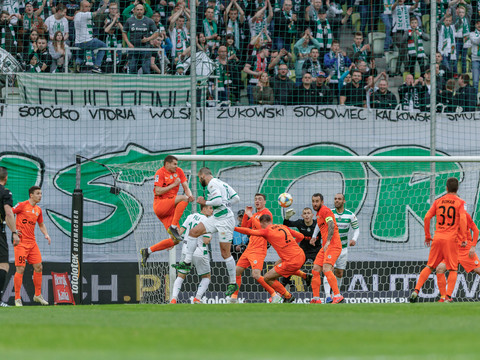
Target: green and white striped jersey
x,y
344,221
220,194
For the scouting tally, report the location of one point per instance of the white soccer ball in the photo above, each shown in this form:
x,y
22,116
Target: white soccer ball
x,y
285,200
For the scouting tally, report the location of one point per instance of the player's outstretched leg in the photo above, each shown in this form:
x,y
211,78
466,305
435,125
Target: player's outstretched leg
x,y
424,274
144,256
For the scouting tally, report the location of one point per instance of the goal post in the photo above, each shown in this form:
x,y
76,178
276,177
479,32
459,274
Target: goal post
x,y
388,191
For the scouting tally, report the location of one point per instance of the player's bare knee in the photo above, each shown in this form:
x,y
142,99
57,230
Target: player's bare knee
x,y
239,270
20,269
183,276
38,267
256,275
317,268
206,276
339,273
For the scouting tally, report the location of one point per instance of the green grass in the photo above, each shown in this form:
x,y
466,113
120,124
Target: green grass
x,y
247,331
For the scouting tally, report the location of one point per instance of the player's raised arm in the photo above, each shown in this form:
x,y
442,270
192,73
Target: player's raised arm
x,y
187,191
297,235
247,231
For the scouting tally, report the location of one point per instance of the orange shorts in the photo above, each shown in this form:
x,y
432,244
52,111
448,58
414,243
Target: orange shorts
x,y
164,209
445,250
288,268
468,263
255,260
27,252
329,257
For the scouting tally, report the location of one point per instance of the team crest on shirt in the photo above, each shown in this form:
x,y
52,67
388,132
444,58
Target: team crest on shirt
x,y
329,256
174,175
254,261
476,262
279,265
171,177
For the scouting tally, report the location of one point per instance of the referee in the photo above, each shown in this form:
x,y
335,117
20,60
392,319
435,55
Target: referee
x,y
6,218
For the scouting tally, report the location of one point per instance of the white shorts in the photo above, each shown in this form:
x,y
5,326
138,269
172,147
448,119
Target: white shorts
x,y
200,261
223,225
342,259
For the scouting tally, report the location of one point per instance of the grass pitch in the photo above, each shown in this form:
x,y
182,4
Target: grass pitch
x,y
242,331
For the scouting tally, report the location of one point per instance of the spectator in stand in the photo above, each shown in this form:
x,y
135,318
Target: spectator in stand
x,y
401,24
466,95
210,30
58,22
336,62
447,98
283,87
84,35
161,42
285,28
446,43
9,38
72,6
261,21
462,31
31,46
280,57
410,94
44,58
156,17
335,16
444,72
383,98
353,94
386,17
31,20
137,33
312,64
257,64
13,9
306,93
323,33
325,95
302,51
179,34
57,51
113,29
234,19
360,51
233,57
416,53
366,71
263,93
223,71
425,91
130,10
475,40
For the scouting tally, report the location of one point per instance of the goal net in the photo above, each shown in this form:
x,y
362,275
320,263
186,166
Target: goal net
x,y
390,200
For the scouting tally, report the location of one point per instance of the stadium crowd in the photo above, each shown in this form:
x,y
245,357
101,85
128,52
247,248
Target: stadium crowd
x,y
286,52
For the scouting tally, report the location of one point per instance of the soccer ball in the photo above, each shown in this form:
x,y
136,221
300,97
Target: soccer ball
x,y
285,200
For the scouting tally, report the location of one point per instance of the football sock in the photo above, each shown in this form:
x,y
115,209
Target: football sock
x,y
17,281
452,279
279,288
191,246
339,283
332,280
162,245
316,282
231,269
301,274
37,283
179,212
442,284
239,283
3,277
202,287
326,287
267,287
177,286
424,274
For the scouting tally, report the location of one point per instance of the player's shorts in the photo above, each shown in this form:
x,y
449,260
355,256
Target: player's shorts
x,y
255,260
288,268
223,225
200,261
329,257
27,252
165,210
468,263
445,250
3,247
342,259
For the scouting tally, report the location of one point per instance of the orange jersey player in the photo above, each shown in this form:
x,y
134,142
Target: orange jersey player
x,y
284,240
256,251
28,214
329,253
167,204
451,224
466,257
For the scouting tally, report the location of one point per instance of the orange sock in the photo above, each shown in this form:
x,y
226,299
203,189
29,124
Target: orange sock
x,y
316,282
279,288
332,281
267,287
424,274
37,283
162,245
17,282
442,284
179,212
301,274
239,283
452,279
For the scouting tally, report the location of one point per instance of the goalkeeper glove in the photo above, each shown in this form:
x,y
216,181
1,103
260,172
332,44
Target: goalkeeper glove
x,y
289,214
